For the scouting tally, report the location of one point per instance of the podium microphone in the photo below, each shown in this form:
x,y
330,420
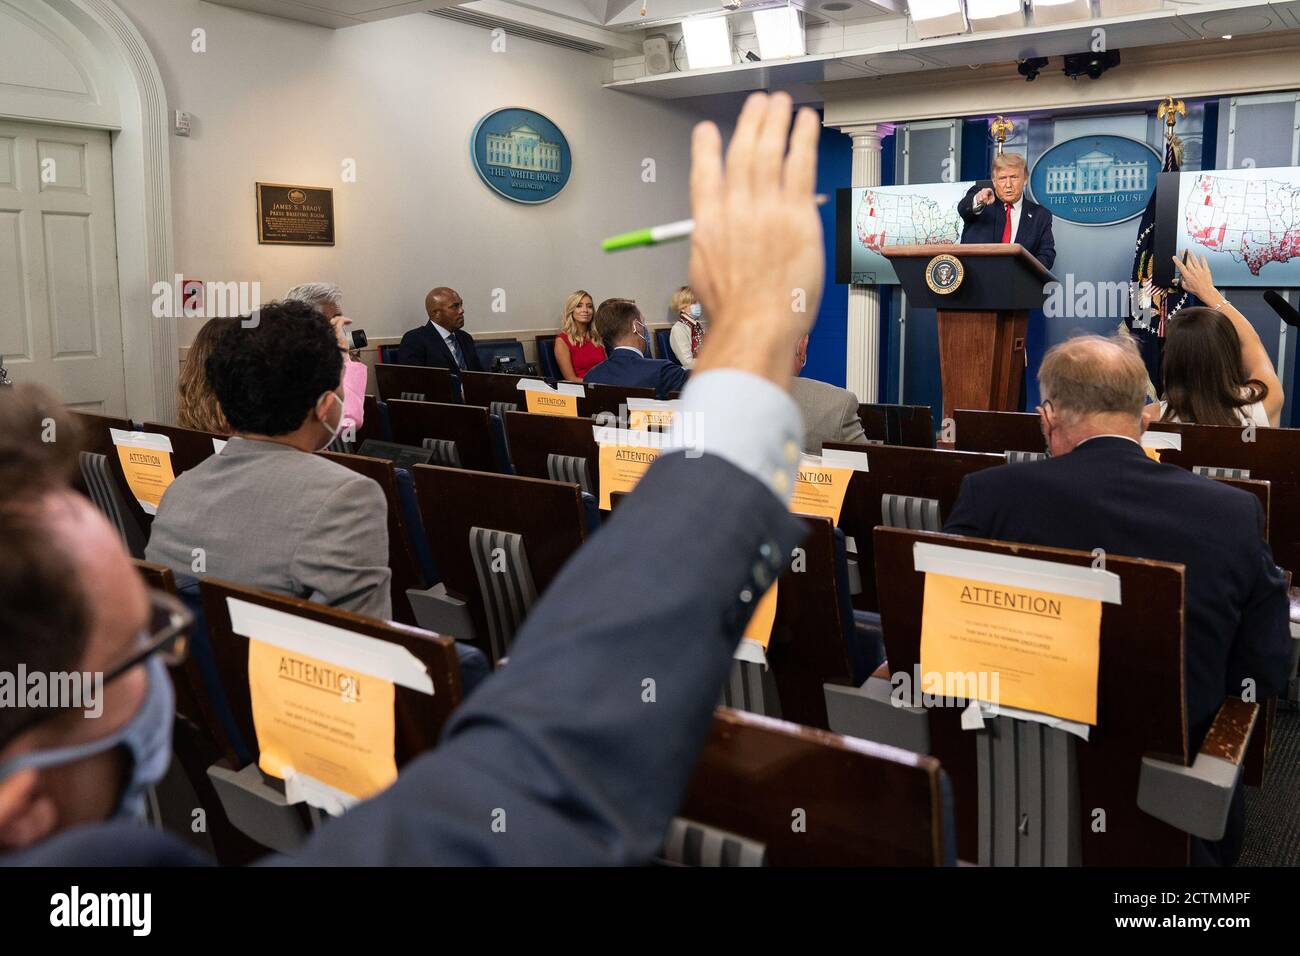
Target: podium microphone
x,y
1285,310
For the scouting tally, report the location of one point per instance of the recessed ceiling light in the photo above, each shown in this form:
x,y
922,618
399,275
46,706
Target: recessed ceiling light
x,y
1227,36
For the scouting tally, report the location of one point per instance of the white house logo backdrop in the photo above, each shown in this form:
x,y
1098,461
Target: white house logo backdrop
x,y
521,155
1095,180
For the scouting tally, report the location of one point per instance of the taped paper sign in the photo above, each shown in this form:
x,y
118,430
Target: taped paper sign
x,y
1029,631
323,702
644,413
819,487
147,464
625,456
552,403
760,625
312,717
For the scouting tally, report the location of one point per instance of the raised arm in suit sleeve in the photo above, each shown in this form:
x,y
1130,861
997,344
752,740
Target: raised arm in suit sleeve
x,y
579,751
1047,245
850,427
343,558
966,208
1261,650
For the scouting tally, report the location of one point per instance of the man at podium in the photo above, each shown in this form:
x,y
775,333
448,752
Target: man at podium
x,y
996,210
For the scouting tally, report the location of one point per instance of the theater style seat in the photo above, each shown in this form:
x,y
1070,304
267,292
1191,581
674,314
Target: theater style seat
x,y
663,345
1026,793
546,357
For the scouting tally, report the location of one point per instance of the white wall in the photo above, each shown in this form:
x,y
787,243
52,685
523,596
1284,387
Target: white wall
x,y
278,101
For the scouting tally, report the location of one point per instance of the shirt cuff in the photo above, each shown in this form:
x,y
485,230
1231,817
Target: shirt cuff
x,y
745,419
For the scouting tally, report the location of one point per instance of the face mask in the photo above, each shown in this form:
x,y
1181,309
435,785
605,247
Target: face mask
x,y
643,335
147,737
696,311
333,429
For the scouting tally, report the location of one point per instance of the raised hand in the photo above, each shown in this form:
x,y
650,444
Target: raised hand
x,y
756,253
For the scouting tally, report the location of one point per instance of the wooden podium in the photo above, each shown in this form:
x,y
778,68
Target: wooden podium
x,y
982,320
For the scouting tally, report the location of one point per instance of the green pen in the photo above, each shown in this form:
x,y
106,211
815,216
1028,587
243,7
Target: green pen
x,y
668,232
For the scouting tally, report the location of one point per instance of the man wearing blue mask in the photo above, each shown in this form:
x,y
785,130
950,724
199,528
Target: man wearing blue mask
x,y
621,327
79,623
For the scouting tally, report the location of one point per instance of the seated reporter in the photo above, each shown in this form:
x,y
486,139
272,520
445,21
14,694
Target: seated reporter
x,y
196,404
1216,370
577,347
266,512
327,299
560,739
687,334
620,325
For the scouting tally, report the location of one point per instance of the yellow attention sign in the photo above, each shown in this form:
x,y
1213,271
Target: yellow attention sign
x,y
642,419
1152,453
621,467
820,490
760,625
552,403
1038,649
148,474
322,720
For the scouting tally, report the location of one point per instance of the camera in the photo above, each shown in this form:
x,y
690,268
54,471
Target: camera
x,y
359,340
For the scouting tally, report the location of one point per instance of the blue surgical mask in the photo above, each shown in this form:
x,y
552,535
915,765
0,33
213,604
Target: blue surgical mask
x,y
147,737
696,311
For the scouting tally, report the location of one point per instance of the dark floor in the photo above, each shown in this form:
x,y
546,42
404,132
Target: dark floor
x,y
1273,810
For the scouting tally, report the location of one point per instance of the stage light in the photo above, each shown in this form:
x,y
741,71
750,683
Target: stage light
x,y
1060,11
780,33
995,14
937,18
708,42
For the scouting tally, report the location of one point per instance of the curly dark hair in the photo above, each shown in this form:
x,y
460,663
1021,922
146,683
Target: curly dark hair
x,y
269,370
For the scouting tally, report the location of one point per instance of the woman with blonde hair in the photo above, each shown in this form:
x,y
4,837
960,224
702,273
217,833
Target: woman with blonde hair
x,y
688,331
198,407
577,349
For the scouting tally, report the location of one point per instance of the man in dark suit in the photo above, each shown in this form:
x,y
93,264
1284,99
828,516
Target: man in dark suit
x,y
620,325
996,210
442,342
560,747
1100,490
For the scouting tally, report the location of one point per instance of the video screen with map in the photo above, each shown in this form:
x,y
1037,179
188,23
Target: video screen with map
x,y
871,218
1246,222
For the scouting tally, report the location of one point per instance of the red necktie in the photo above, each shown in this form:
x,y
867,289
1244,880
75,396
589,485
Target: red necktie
x,y
1006,228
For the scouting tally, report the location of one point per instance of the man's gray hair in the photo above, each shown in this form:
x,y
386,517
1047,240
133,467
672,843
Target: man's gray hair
x,y
315,294
1094,375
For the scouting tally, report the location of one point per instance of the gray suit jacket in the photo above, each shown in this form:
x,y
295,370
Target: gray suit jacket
x,y
272,517
829,413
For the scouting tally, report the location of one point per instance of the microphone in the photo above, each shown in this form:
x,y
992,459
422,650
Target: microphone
x,y
1285,310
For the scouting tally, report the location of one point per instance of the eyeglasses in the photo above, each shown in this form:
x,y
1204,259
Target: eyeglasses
x,y
166,636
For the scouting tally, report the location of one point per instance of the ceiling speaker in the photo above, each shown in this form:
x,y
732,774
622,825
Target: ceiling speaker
x,y
658,59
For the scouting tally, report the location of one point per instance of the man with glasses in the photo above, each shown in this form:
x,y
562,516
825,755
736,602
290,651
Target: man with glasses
x,y
73,606
621,327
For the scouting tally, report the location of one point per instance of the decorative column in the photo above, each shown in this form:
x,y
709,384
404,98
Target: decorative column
x,y
863,359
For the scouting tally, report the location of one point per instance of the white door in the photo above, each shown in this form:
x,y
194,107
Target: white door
x,y
59,316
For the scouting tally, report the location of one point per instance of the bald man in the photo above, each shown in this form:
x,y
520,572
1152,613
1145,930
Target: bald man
x,y
1100,490
442,342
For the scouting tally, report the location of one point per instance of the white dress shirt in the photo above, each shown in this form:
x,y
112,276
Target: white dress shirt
x,y
453,344
1016,208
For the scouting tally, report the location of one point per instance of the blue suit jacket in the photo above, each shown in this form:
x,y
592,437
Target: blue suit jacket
x,y
560,745
424,346
1034,231
625,367
1108,494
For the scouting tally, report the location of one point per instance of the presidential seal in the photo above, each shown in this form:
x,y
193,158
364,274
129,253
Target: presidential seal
x,y
943,274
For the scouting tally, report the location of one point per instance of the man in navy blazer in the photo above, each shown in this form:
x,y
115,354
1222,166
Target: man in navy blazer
x,y
986,206
442,342
1100,490
557,758
620,326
